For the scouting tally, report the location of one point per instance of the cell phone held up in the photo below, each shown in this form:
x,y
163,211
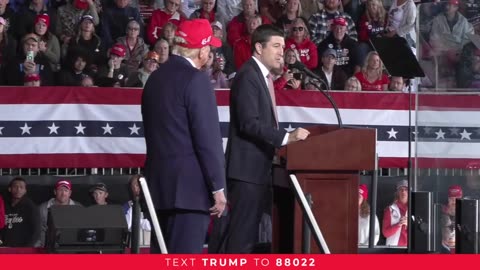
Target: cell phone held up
x,y
298,76
30,56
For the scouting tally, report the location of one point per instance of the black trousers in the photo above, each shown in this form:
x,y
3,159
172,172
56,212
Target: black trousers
x,y
238,231
184,231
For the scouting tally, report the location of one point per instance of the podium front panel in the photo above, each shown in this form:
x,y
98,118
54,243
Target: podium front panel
x,y
335,207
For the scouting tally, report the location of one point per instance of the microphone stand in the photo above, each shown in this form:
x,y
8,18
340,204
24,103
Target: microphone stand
x,y
409,168
330,99
300,66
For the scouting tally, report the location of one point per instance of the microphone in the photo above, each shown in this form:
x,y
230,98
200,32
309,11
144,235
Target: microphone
x,y
300,66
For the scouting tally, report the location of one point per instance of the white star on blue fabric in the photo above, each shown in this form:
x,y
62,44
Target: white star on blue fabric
x,y
289,128
107,129
465,135
454,131
80,128
25,129
53,128
440,134
134,129
392,133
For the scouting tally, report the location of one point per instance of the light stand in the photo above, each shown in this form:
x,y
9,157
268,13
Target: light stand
x,y
399,60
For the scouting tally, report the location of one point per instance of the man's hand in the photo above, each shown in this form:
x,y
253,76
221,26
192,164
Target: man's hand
x,y
298,134
295,84
288,75
220,203
29,67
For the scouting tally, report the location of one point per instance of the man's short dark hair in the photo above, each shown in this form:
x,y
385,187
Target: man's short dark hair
x,y
18,178
263,34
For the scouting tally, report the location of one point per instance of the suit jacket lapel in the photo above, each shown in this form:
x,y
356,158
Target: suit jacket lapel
x,y
266,92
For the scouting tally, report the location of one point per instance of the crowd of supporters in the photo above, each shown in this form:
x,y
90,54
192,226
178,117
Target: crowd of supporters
x,y
25,224
121,42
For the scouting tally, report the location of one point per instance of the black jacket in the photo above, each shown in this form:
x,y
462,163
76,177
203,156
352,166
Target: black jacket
x,y
338,78
22,227
347,52
253,135
185,160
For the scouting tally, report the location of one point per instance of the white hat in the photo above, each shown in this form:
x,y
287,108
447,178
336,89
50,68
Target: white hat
x,y
217,24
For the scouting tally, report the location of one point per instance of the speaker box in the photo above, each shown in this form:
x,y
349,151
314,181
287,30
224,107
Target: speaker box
x,y
95,229
466,229
421,223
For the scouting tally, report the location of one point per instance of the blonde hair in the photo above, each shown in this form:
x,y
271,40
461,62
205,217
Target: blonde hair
x,y
168,25
295,52
305,27
364,210
380,14
183,51
355,81
299,11
379,71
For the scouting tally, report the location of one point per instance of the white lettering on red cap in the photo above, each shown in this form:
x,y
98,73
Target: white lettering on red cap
x,y
206,40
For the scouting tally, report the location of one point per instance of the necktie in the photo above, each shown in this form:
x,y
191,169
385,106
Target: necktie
x,y
272,97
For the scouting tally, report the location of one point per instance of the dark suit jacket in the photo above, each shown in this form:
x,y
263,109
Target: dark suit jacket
x,y
253,136
338,78
185,160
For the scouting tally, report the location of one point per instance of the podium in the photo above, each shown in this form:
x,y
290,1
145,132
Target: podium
x,y
327,166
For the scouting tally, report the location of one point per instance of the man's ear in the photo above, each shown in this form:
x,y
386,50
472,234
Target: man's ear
x,y
258,48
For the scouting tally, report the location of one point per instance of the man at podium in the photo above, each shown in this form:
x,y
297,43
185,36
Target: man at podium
x,y
253,137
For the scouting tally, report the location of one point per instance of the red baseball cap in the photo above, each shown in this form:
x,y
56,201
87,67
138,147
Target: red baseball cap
x,y
31,77
43,18
454,2
80,4
119,50
363,190
197,33
63,183
340,21
455,191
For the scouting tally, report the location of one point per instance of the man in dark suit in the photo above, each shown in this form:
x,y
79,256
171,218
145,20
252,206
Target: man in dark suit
x,y
253,137
333,76
185,162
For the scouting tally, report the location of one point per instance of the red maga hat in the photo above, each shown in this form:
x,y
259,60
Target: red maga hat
x,y
455,191
340,21
118,50
63,183
197,33
363,190
43,18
